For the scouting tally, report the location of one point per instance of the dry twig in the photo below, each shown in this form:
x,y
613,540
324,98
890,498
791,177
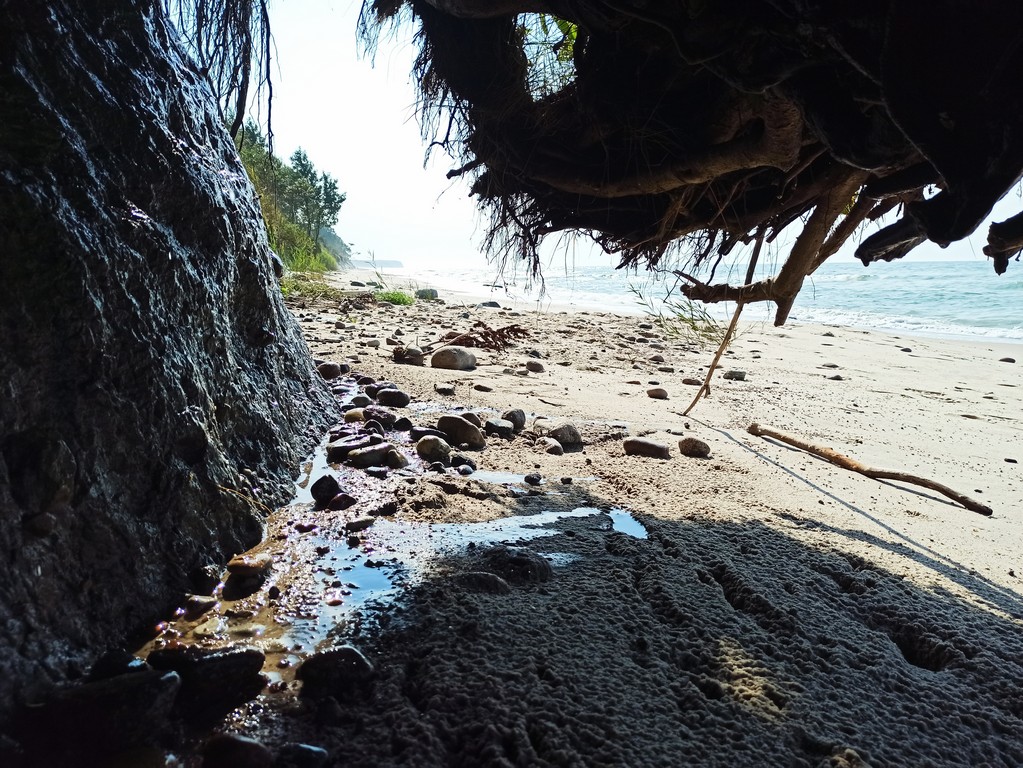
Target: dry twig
x,y
852,465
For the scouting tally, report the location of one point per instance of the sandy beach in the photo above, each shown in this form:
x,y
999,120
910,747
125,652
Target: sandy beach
x,y
757,606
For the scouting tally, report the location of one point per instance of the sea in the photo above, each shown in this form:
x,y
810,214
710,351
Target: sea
x,y
949,299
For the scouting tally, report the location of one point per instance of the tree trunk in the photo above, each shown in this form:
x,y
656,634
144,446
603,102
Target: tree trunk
x,y
152,378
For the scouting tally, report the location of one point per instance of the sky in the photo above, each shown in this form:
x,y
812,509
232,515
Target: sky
x,y
356,119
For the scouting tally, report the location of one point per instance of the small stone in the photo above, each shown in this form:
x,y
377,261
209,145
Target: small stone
x,y
1007,360
380,473
517,417
472,418
906,349
500,427
382,415
373,456
734,375
567,434
403,424
666,369
431,448
566,481
361,401
354,414
343,673
373,343
656,358
395,459
461,431
376,429
642,446
550,445
359,524
329,370
250,565
482,388
341,501
393,398
489,304
534,366
657,393
387,509
465,470
836,377
694,447
419,432
691,382
533,478
453,358
197,605
427,294
325,489
446,390
458,460
338,450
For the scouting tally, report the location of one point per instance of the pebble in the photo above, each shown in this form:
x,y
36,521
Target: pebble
x,y
472,418
343,673
431,448
250,565
657,393
734,375
550,445
353,415
373,456
1007,360
535,366
666,369
500,427
906,349
482,388
427,294
359,524
229,750
446,390
517,417
458,460
419,432
329,370
691,382
395,459
533,478
403,424
325,489
567,434
460,430
361,400
374,343
489,304
656,358
376,413
453,358
337,451
836,377
694,447
393,398
465,470
341,501
642,446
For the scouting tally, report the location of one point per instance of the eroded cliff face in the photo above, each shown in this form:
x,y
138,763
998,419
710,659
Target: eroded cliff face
x,y
153,385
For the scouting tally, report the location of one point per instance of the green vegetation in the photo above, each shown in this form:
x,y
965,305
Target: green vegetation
x,y
680,317
309,287
394,297
300,205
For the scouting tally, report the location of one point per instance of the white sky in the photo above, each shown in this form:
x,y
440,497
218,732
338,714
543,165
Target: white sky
x,y
357,122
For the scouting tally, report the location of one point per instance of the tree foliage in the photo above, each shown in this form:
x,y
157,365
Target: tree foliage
x,y
299,204
689,127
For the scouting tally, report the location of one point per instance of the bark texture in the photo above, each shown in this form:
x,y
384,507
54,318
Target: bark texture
x,y
155,390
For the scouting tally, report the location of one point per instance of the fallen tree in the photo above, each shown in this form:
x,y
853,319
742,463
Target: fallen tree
x,y
685,128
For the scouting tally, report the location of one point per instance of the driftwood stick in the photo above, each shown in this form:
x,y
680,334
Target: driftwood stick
x,y
725,340
852,465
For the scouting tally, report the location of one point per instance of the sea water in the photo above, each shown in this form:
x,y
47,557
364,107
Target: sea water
x,y
959,299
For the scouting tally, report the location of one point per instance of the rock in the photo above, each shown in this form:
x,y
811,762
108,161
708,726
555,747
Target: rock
x,y
359,524
453,358
460,431
376,430
338,450
472,418
341,501
694,447
566,480
376,413
427,294
247,566
357,284
517,417
373,343
691,382
482,388
535,366
362,400
458,460
489,304
500,427
229,750
387,509
533,478
906,349
836,377
431,448
380,473
446,390
353,415
395,459
465,470
393,398
517,565
213,680
550,445
482,582
1007,360
344,673
403,424
373,456
734,375
642,446
416,433
657,393
329,370
567,434
326,487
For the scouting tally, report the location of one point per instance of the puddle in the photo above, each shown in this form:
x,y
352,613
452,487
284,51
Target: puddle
x,y
624,522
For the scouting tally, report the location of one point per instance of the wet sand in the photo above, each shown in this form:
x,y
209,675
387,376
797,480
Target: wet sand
x,y
759,606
